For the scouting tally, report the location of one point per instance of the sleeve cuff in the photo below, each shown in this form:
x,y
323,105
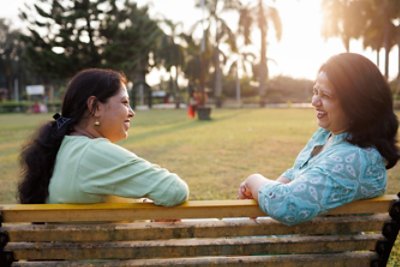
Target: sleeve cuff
x,y
266,190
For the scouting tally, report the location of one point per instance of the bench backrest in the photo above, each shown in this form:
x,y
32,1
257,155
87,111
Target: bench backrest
x,y
209,233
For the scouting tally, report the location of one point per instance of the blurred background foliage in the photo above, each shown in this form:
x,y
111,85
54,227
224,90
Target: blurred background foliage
x,y
62,37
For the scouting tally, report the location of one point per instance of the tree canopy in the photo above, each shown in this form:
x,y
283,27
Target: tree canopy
x,y
67,36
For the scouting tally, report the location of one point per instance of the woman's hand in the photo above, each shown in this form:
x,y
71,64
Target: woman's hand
x,y
244,191
248,189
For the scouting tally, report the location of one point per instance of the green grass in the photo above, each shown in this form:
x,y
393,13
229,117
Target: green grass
x,y
212,156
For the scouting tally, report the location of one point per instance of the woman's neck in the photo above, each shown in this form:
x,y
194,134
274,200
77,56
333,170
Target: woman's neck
x,y
78,131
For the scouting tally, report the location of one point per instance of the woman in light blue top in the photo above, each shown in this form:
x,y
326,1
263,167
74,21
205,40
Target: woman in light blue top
x,y
74,159
347,157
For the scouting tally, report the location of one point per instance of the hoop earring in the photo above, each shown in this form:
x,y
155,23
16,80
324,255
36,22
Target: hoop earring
x,y
96,123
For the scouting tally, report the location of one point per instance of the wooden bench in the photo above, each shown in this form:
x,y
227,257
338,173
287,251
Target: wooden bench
x,y
128,234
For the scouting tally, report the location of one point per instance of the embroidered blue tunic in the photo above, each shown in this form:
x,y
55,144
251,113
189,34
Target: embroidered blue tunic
x,y
339,174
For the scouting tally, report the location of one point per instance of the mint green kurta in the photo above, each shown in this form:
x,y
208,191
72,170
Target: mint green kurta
x,y
87,170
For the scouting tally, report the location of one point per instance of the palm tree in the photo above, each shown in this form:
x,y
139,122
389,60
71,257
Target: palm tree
x,y
370,19
344,19
198,58
261,16
389,11
380,31
216,32
373,36
240,60
172,55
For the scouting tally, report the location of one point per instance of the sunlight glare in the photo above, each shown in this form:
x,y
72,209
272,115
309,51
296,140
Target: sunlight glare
x,y
302,49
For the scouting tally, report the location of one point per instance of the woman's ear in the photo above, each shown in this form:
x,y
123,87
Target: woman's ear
x,y
93,106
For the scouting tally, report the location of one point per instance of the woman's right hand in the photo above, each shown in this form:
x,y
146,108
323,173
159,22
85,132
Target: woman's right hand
x,y
248,189
244,192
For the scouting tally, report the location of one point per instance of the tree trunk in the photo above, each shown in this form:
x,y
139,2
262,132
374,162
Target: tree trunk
x,y
378,57
263,68
238,95
218,83
398,57
346,43
387,50
386,38
202,92
218,74
140,79
177,95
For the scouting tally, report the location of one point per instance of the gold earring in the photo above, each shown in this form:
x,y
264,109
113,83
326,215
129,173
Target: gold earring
x,y
96,123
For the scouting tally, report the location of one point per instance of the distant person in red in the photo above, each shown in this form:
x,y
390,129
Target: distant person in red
x,y
192,106
36,107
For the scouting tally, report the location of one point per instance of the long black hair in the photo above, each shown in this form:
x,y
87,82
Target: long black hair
x,y
38,156
366,99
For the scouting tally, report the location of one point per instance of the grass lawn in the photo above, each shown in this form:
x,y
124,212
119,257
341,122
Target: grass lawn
x,y
212,156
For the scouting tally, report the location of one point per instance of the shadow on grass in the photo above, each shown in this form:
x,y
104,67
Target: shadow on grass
x,y
178,126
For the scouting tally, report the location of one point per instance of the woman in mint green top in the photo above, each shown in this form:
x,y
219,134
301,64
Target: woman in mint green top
x,y
88,169
347,157
73,159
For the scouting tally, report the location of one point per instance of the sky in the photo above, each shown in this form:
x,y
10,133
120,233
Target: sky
x,y
299,53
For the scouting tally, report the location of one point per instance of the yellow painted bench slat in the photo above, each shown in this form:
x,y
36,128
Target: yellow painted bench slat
x,y
140,211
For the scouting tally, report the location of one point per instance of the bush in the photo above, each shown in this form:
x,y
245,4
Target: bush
x,y
25,106
14,106
246,89
283,89
280,89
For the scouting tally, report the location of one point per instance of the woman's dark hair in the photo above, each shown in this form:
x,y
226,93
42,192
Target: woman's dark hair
x,y
39,155
366,99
